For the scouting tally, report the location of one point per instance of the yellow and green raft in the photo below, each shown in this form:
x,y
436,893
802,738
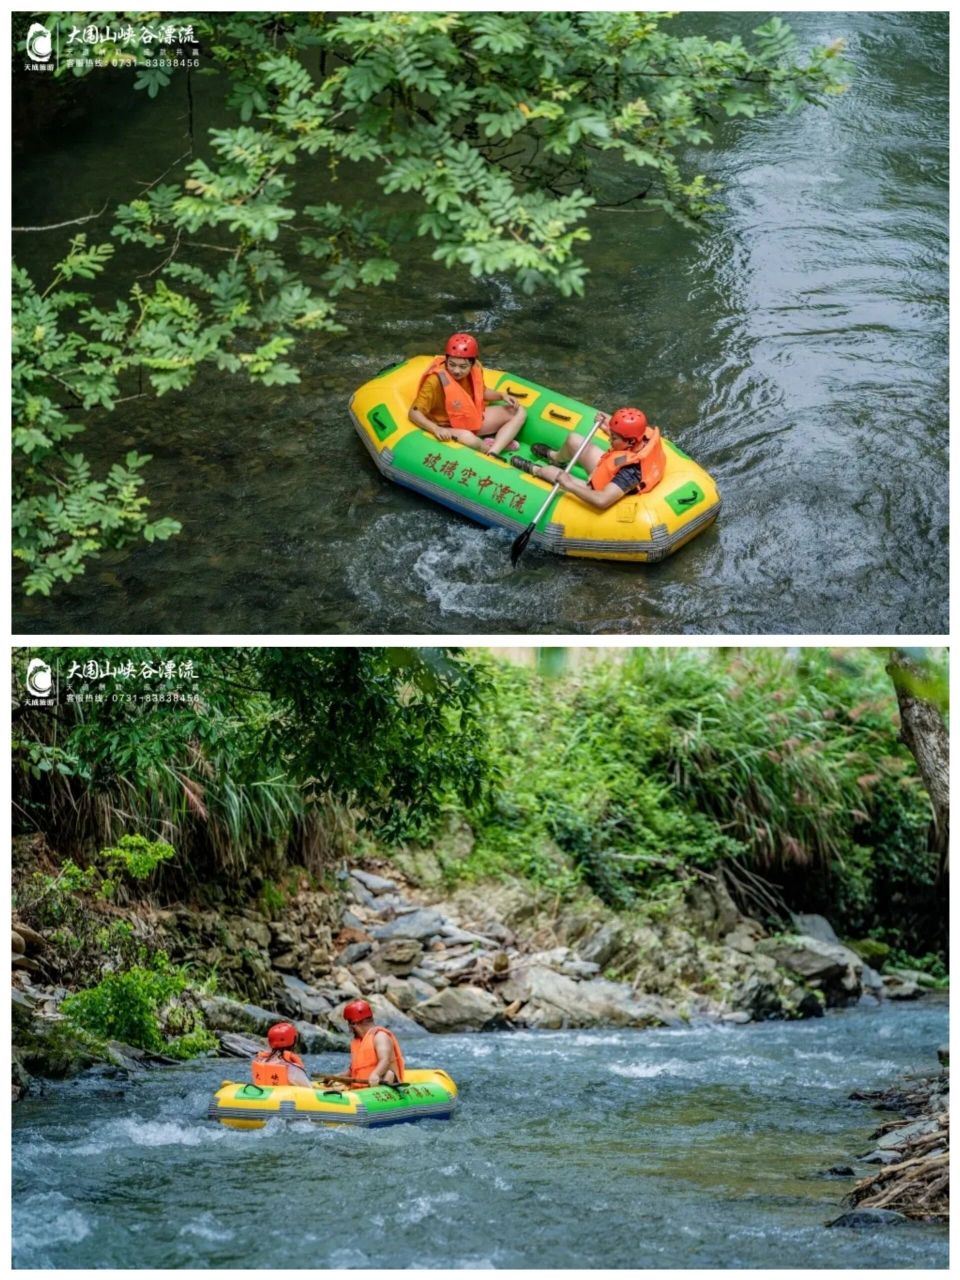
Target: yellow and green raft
x,y
427,1094
642,527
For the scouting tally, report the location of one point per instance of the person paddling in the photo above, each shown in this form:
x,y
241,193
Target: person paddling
x,y
279,1065
375,1054
453,404
634,463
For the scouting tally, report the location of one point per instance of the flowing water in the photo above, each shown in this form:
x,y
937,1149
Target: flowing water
x,y
693,1148
797,350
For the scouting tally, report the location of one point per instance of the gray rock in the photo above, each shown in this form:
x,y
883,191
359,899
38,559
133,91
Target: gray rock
x,y
863,1218
557,1000
376,884
881,1157
235,1045
737,1018
832,967
349,920
223,1014
460,1009
353,952
420,924
814,926
872,982
451,935
302,1000
399,956
431,977
741,940
896,986
386,1014
316,1039
900,1137
602,946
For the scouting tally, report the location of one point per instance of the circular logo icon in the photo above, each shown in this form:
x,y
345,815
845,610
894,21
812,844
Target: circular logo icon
x,y
39,44
39,678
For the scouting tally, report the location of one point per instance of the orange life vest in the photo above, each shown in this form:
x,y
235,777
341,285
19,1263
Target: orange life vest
x,y
268,1069
464,411
649,455
363,1055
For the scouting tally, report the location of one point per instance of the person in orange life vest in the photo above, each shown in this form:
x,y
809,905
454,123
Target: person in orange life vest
x,y
634,463
453,404
374,1052
279,1065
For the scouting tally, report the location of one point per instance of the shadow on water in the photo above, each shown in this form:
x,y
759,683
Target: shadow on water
x,y
797,349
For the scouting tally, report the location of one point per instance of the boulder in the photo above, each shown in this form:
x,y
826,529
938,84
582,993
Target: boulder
x,y
304,1001
814,926
399,956
460,1009
602,946
30,936
831,967
898,986
235,1045
552,1000
741,939
432,977
223,1014
322,1039
19,946
375,884
386,1014
420,924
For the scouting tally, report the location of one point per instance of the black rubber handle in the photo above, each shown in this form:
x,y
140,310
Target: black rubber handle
x,y
377,423
685,502
555,413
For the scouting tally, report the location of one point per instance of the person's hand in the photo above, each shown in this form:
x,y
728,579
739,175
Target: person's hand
x,y
601,419
374,1078
512,401
443,433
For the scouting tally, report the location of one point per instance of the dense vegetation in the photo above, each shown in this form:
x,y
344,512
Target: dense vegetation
x,y
487,136
780,770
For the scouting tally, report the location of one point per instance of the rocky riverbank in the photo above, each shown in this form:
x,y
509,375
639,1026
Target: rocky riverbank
x,y
912,1152
486,957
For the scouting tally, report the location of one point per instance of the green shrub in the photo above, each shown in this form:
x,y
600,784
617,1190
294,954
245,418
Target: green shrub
x,y
125,1006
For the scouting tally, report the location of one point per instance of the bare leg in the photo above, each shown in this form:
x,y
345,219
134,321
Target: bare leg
x,y
589,459
504,424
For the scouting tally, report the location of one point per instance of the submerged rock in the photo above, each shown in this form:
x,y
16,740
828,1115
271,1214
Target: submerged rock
x,y
864,1218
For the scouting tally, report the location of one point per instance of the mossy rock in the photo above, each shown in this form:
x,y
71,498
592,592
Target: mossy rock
x,y
872,952
58,1050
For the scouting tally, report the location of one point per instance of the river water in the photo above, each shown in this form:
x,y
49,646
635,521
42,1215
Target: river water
x,y
797,349
704,1147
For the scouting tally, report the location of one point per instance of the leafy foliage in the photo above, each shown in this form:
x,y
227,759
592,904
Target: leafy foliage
x,y
245,773
129,1005
490,136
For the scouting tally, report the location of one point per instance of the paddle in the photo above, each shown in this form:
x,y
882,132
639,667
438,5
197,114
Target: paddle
x,y
520,543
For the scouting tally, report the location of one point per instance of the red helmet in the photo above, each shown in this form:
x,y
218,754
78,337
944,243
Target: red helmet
x,y
462,344
282,1036
357,1010
629,423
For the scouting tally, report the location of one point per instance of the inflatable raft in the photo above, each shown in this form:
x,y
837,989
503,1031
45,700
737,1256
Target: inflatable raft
x,y
427,1094
641,527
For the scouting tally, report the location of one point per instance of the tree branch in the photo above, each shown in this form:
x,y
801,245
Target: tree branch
x,y
71,222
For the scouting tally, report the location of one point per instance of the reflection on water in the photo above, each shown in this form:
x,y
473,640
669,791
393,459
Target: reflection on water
x,y
797,350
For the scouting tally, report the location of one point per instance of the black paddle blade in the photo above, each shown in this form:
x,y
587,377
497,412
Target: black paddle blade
x,y
520,545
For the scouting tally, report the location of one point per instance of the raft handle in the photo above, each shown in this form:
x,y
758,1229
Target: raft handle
x,y
512,391
685,502
377,423
555,413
